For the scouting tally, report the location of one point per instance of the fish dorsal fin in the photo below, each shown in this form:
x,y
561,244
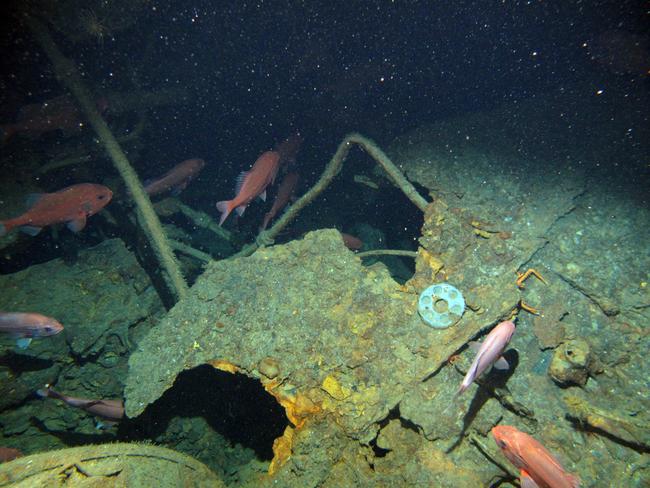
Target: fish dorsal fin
x,y
240,181
32,199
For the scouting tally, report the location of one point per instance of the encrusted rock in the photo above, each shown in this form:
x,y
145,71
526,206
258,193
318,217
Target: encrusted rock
x,y
269,367
571,363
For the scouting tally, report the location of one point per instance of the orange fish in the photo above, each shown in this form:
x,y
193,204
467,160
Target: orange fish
x,y
538,467
72,205
38,118
251,184
285,192
176,179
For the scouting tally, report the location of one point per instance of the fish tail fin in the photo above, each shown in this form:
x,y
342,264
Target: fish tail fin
x,y
225,207
448,407
44,392
452,402
54,394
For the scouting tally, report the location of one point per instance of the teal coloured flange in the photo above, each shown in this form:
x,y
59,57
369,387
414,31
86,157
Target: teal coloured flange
x,y
441,305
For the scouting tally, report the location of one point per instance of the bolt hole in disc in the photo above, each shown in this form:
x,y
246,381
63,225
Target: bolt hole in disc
x,y
441,305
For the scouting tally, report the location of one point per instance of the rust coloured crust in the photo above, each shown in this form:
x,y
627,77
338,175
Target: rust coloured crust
x,y
224,365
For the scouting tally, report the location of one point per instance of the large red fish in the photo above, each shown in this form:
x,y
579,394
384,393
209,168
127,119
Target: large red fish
x,y
111,410
38,118
25,326
72,205
285,192
251,184
176,179
538,467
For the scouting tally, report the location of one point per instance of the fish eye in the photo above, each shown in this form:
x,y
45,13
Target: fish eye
x,y
502,444
48,328
101,197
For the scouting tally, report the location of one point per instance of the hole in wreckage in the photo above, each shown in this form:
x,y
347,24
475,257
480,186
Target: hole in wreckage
x,y
382,217
397,224
223,419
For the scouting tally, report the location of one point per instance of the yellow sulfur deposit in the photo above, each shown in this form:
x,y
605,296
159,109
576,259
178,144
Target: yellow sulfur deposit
x,y
335,389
